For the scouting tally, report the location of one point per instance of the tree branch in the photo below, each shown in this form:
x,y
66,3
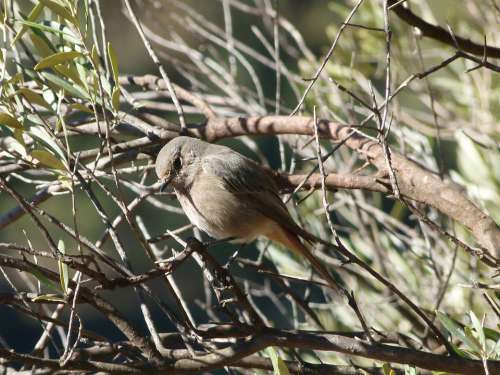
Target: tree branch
x,y
438,33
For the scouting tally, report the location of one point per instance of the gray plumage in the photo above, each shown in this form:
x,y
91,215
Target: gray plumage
x,y
228,195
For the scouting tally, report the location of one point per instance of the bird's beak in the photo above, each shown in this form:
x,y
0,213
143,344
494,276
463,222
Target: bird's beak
x,y
166,182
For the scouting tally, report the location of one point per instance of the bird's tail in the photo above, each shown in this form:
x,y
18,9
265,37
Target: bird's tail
x,y
293,242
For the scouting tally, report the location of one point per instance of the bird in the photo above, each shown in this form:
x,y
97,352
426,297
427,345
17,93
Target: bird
x,y
230,196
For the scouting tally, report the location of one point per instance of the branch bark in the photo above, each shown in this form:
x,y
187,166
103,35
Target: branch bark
x,y
440,34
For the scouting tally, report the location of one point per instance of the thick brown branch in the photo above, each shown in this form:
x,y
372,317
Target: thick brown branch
x,y
332,181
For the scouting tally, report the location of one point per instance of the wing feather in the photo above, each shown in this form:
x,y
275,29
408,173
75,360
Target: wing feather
x,y
253,184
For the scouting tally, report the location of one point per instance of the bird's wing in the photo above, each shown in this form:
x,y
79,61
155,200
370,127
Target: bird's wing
x,y
246,179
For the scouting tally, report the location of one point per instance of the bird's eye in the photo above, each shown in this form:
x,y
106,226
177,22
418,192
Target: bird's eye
x,y
177,163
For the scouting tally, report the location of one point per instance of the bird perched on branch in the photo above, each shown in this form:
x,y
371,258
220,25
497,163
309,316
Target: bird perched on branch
x,y
228,195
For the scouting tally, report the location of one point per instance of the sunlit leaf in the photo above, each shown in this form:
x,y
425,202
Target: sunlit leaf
x,y
115,99
44,280
478,327
33,97
34,14
278,364
59,10
69,72
458,332
81,107
114,62
388,370
54,28
69,88
8,120
19,145
47,159
63,268
95,56
57,58
41,45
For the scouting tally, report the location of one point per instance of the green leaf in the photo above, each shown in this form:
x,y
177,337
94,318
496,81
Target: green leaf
x,y
458,332
84,72
95,56
478,327
47,159
43,279
115,99
33,97
69,72
81,107
39,133
11,122
19,145
491,334
114,62
278,364
388,370
57,58
63,268
55,28
43,47
59,10
34,14
69,88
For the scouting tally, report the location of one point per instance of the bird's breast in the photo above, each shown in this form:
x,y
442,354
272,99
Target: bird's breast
x,y
219,212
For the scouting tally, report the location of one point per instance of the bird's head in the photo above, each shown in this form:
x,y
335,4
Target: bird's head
x,y
176,161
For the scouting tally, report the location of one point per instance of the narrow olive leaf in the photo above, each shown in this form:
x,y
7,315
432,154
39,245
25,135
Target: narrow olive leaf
x,y
95,56
63,268
44,280
34,14
478,327
81,107
115,99
40,134
16,78
11,122
73,90
41,45
388,370
114,62
492,334
49,297
19,145
84,71
47,159
32,97
57,58
69,72
18,135
278,364
60,10
458,332
55,28
476,345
